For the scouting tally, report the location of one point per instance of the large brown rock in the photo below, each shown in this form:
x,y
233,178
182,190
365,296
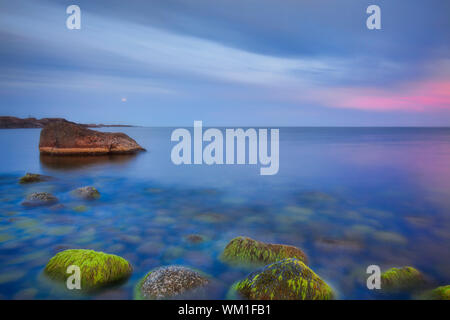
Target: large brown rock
x,y
67,138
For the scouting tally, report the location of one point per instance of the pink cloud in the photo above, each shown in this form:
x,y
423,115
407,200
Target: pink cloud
x,y
419,96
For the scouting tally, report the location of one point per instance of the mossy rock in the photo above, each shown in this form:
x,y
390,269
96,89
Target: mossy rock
x,y
244,250
98,269
40,199
169,282
87,193
440,293
32,178
288,279
402,280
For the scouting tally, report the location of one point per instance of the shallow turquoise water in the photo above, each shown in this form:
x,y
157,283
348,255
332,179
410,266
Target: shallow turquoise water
x,y
349,197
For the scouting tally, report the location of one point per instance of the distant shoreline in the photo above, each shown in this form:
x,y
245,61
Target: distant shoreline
x,y
7,122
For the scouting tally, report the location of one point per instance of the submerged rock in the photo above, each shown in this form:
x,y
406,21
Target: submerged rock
x,y
288,279
402,279
32,178
195,238
440,293
98,269
67,138
243,250
88,193
169,282
40,199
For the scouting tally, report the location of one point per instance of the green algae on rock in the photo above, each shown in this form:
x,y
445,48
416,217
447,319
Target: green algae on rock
x,y
440,293
169,282
242,250
288,279
98,269
32,178
88,193
40,199
402,279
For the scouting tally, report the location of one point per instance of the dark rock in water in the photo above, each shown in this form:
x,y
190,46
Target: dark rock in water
x,y
88,193
402,280
33,177
57,207
246,250
288,279
195,238
339,244
40,199
169,282
440,293
98,269
68,138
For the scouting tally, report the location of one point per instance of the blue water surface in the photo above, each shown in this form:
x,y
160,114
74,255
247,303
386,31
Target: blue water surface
x,y
349,197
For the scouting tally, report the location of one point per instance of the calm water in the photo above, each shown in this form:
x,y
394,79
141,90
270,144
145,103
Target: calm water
x,y
348,197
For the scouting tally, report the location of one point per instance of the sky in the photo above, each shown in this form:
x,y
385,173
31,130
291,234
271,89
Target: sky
x,y
227,62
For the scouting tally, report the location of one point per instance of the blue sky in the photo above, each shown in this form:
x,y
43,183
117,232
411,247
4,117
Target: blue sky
x,y
226,62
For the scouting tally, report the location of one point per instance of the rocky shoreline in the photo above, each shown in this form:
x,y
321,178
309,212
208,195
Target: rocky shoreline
x,y
7,122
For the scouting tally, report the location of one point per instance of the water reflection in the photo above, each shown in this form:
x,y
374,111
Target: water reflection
x,y
66,163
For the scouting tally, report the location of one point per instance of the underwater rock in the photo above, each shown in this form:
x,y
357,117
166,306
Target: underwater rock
x,y
440,293
40,199
402,279
33,177
98,269
210,217
88,193
80,209
243,250
288,279
67,138
169,282
195,238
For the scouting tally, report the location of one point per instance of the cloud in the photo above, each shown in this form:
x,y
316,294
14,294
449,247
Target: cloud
x,y
429,95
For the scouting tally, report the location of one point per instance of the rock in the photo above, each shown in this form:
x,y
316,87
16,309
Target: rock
x,y
67,138
80,208
242,250
195,238
440,293
168,282
40,199
33,177
288,279
88,193
98,269
402,279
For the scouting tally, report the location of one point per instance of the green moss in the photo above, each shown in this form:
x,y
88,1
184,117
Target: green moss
x,y
98,269
402,279
243,250
440,293
80,208
288,279
32,177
